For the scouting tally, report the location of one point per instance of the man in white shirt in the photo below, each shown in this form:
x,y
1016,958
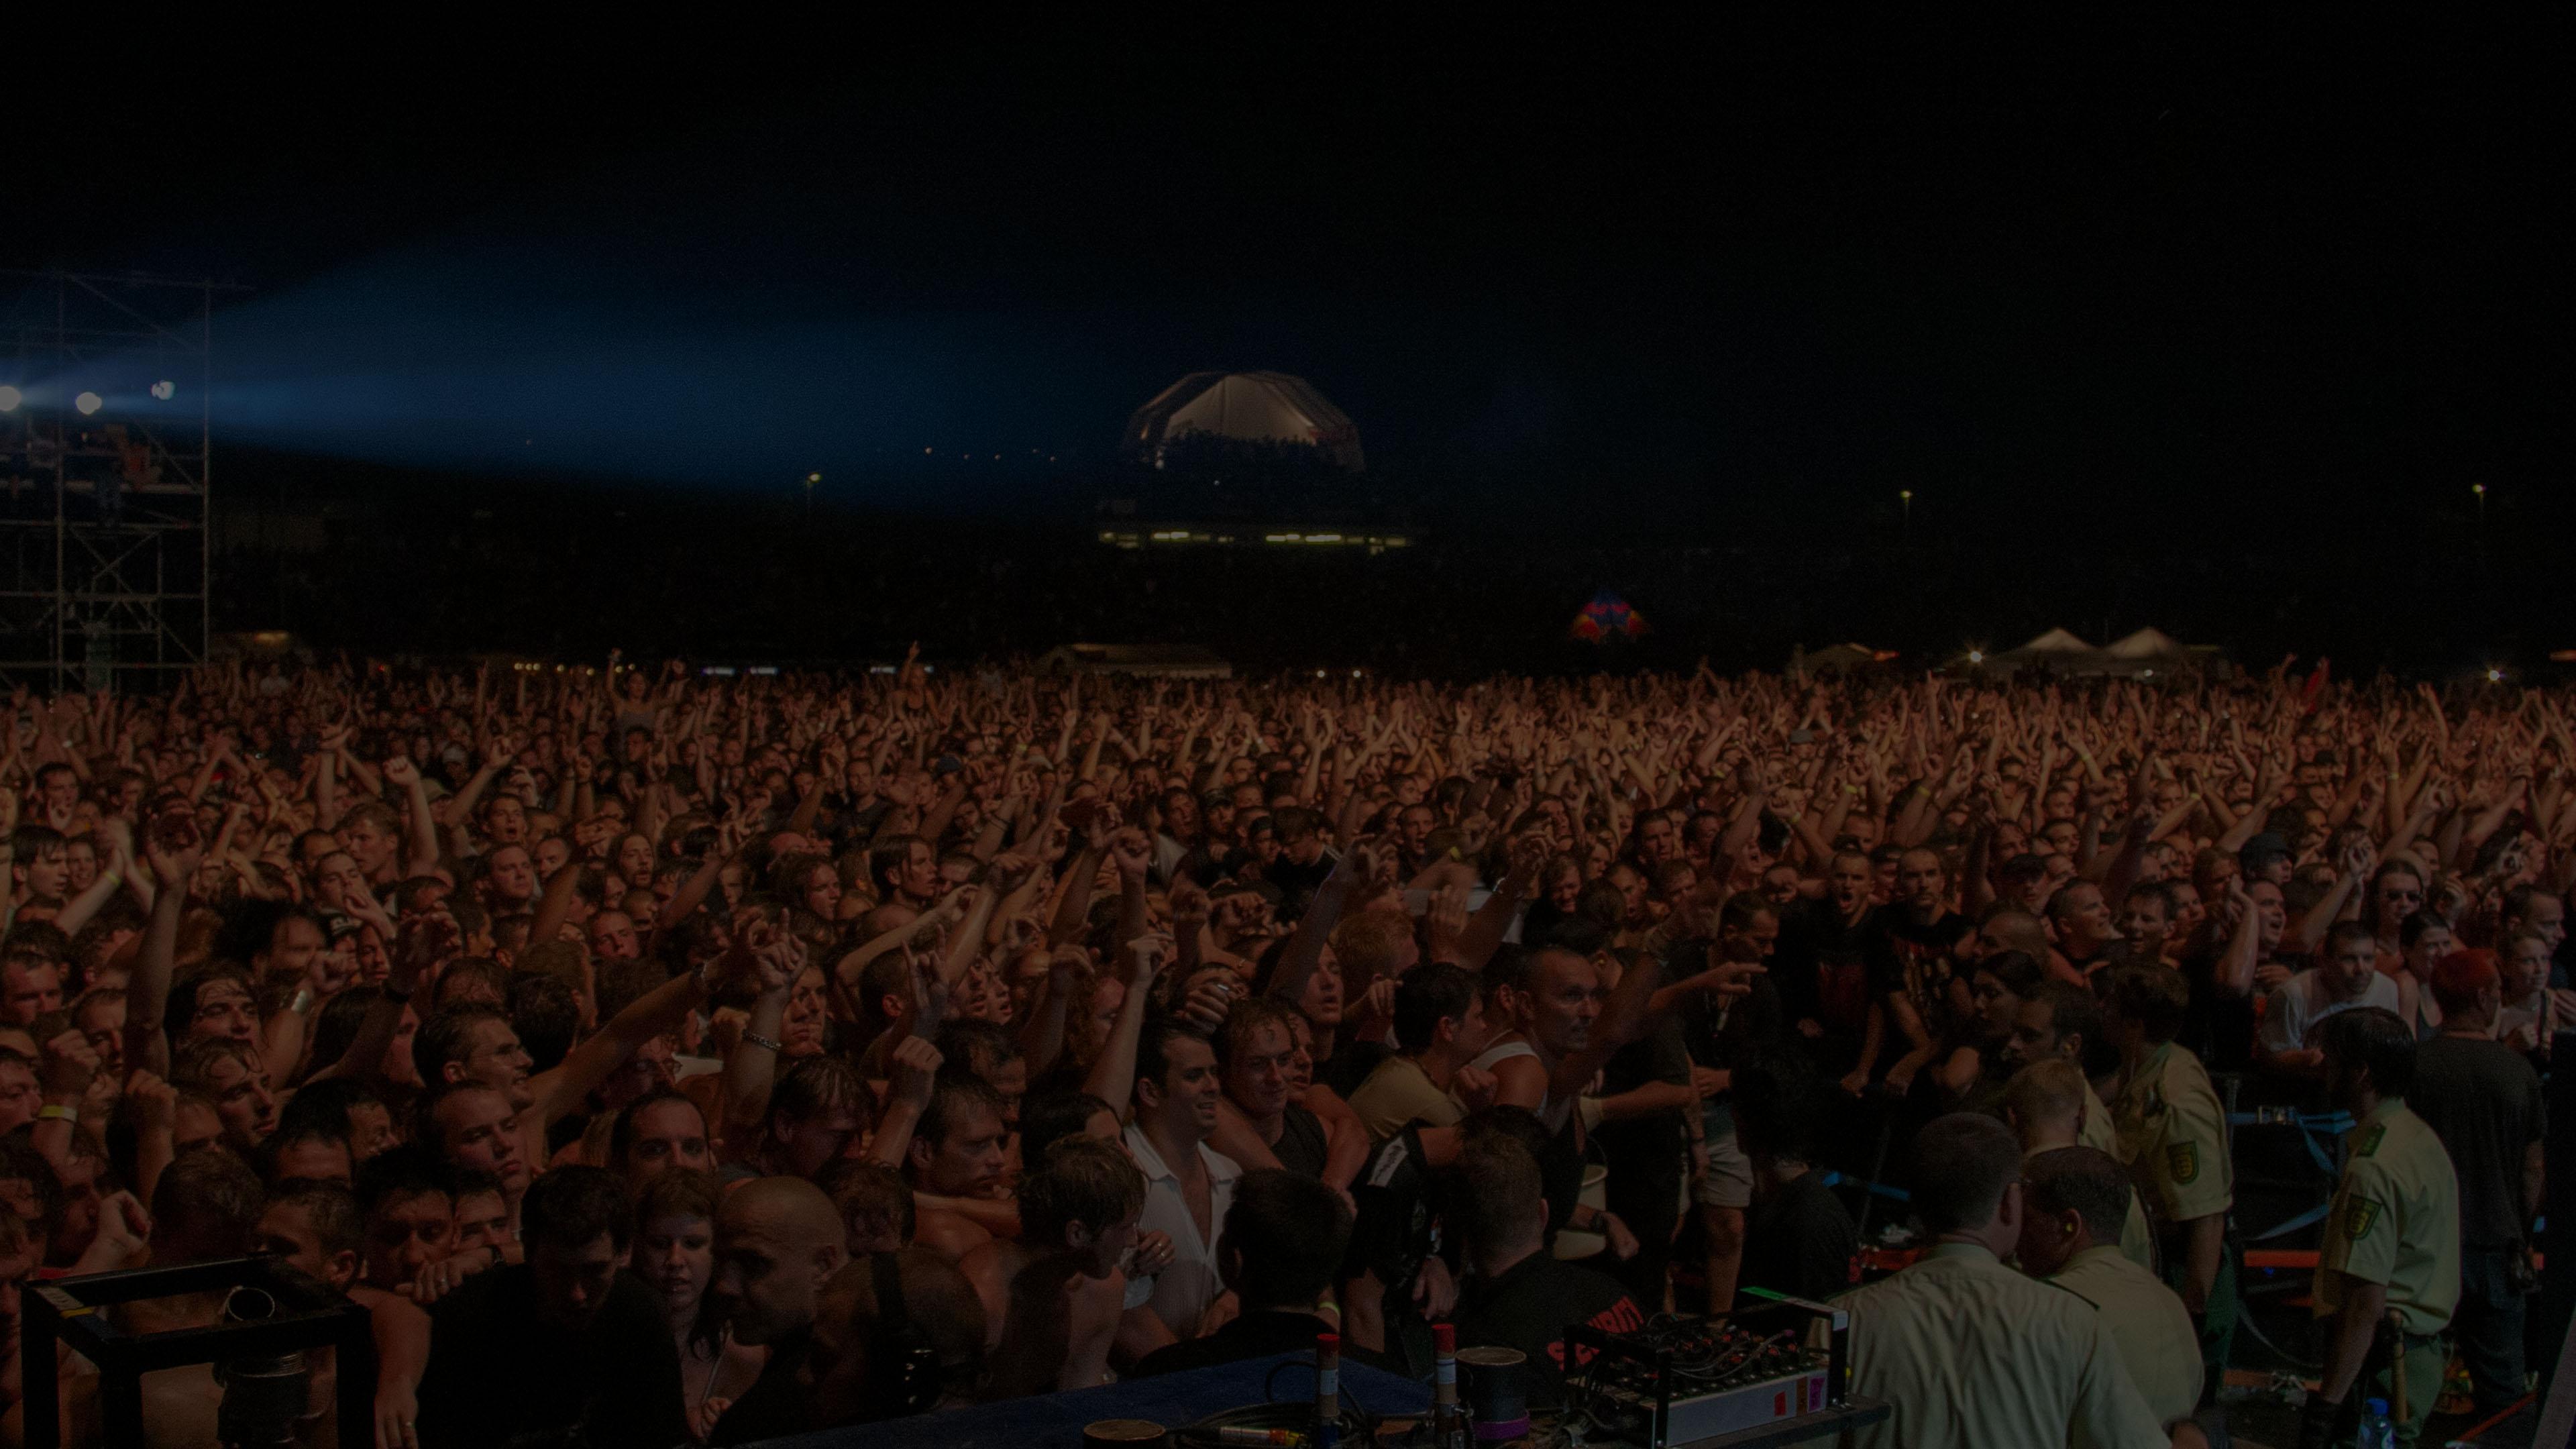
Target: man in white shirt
x,y
1188,1185
2346,976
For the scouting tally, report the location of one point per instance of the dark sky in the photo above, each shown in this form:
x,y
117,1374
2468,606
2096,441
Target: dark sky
x,y
2159,262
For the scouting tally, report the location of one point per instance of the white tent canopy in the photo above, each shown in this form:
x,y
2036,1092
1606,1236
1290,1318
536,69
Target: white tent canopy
x,y
1153,661
1251,407
2055,641
2148,644
2055,646
2147,654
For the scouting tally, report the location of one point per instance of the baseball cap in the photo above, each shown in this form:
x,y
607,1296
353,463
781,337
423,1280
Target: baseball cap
x,y
2261,850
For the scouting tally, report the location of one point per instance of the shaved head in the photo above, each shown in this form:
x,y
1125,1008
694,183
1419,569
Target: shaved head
x,y
2016,931
778,1241
786,1210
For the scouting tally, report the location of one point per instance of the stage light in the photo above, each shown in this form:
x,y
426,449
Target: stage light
x,y
10,397
89,402
1976,656
813,478
2495,676
165,389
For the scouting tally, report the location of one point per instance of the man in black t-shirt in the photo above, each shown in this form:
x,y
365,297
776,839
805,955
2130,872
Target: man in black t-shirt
x,y
1911,964
1302,864
1798,1238
1282,1242
566,1344
1822,967
1255,1052
1520,1296
2484,1101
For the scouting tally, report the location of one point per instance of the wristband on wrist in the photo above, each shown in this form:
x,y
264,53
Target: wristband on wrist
x,y
52,1113
754,1039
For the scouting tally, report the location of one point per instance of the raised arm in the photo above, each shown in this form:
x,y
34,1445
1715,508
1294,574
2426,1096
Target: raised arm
x,y
1486,928
1113,1076
562,1089
147,1046
555,906
1304,953
753,1068
2308,930
404,776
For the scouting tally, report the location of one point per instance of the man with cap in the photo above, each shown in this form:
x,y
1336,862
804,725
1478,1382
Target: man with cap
x,y
2388,1269
1970,1354
2173,1137
2265,857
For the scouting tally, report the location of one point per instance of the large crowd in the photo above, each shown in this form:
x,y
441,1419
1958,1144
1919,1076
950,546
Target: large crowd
x,y
660,1058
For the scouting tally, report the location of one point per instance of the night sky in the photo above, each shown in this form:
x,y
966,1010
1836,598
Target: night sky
x,y
2166,265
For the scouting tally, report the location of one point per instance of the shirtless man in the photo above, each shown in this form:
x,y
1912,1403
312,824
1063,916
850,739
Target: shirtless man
x,y
956,1152
1052,1299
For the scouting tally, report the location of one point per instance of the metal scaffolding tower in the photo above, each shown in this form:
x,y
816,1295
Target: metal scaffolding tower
x,y
104,420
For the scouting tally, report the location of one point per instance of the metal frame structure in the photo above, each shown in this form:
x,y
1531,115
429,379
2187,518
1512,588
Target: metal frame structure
x,y
105,546
300,1315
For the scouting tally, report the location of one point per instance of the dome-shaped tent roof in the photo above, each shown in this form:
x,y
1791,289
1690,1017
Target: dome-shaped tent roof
x,y
1250,407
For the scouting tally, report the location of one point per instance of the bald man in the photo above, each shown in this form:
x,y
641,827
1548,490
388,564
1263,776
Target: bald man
x,y
778,1241
2010,930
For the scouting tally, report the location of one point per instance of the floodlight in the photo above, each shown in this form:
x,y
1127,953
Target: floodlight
x,y
165,389
10,397
89,402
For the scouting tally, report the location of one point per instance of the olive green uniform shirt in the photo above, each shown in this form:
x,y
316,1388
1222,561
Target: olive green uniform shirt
x,y
2147,1321
2173,1134
2395,1220
1972,1355
2097,1132
1398,1093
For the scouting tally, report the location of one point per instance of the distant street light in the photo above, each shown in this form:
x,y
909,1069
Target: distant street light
x,y
810,480
2480,489
1905,499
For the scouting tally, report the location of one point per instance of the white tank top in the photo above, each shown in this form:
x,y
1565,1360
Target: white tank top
x,y
1551,1113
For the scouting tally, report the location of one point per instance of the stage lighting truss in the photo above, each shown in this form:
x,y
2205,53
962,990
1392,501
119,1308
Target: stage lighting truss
x,y
104,544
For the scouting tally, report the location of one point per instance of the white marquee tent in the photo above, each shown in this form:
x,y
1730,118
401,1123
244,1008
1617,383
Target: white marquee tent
x,y
1251,407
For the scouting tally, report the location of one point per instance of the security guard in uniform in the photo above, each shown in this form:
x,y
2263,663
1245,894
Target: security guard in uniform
x,y
2073,1199
2173,1136
1968,1353
2388,1273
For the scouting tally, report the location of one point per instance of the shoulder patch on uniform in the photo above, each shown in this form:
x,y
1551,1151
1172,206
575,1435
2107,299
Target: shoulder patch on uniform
x,y
2360,1215
2182,1162
2370,1140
